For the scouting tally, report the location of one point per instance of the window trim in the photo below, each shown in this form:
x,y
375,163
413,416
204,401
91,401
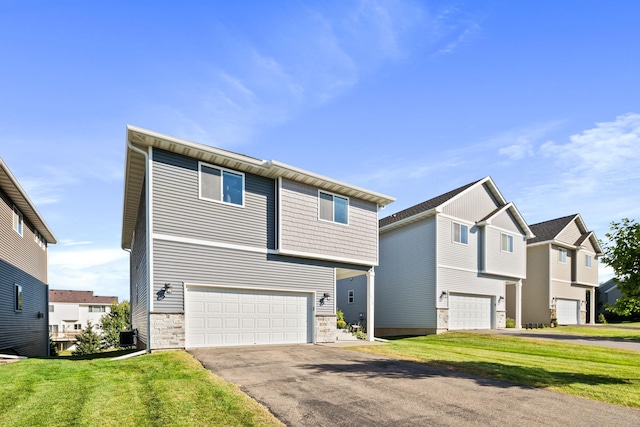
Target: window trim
x,y
93,307
453,233
562,255
222,172
18,221
333,203
509,240
588,260
18,298
351,296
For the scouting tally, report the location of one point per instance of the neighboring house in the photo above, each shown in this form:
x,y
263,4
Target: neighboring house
x,y
608,293
562,272
70,312
227,249
445,264
24,240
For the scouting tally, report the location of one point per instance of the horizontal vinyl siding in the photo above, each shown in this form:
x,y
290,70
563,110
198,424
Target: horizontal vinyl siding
x,y
473,205
584,274
20,251
566,291
454,254
139,275
506,221
22,331
405,279
561,271
303,231
511,264
570,234
535,288
352,312
176,263
178,210
466,282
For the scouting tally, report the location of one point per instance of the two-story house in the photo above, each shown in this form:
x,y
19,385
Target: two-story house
x,y
24,240
445,264
227,249
71,311
562,272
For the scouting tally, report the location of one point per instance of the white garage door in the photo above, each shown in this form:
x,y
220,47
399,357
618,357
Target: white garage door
x,y
470,312
567,311
223,316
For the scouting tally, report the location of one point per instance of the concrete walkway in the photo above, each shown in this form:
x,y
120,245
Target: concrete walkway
x,y
321,385
545,334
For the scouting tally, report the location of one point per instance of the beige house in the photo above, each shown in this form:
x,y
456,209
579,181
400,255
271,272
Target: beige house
x,y
562,273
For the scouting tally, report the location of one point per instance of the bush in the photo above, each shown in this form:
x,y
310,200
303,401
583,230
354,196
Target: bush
x,y
602,319
87,342
341,324
510,323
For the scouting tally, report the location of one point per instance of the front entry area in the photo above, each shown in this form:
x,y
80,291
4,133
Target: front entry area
x,y
470,311
230,316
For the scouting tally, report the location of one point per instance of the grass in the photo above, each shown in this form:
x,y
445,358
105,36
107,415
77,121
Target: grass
x,y
604,374
162,389
619,331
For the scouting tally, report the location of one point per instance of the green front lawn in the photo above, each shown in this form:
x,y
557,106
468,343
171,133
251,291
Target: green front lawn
x,y
163,389
624,331
598,373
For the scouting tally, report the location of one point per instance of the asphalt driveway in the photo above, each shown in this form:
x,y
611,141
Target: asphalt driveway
x,y
318,385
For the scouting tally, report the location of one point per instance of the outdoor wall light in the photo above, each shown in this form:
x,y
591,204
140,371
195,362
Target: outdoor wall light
x,y
500,299
326,295
167,288
40,315
443,294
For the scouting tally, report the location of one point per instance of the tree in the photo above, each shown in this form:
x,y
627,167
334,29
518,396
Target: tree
x,y
87,341
115,322
622,253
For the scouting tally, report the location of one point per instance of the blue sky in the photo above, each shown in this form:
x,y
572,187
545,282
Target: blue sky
x,y
407,98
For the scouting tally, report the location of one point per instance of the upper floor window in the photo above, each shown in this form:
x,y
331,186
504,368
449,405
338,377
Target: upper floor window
x,y
17,220
51,308
97,309
562,255
351,298
460,233
53,329
221,185
39,240
506,242
333,208
588,260
18,298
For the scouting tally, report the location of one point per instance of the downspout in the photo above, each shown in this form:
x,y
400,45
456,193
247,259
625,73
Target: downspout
x,y
147,239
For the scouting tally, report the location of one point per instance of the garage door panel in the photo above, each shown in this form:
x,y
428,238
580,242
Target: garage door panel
x,y
470,311
567,311
246,317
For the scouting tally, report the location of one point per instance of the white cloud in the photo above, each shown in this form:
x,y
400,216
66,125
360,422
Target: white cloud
x,y
48,187
518,144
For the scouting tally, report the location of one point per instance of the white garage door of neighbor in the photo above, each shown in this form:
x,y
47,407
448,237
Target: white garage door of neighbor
x,y
567,311
224,316
470,312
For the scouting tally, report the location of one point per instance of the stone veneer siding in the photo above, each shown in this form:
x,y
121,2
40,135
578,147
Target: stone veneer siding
x,y
325,328
442,319
167,330
501,319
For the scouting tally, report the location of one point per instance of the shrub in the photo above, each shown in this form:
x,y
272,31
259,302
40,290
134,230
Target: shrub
x,y
341,324
510,323
87,341
602,319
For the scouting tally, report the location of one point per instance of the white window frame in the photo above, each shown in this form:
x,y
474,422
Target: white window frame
x,y
18,301
37,237
588,260
97,309
509,241
333,211
18,221
222,172
351,296
459,226
562,255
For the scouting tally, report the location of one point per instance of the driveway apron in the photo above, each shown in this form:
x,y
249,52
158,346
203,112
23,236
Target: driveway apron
x,y
318,385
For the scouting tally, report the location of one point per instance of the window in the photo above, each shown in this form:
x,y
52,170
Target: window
x,y
221,185
562,255
460,233
351,297
97,309
507,243
333,208
77,327
39,240
17,220
50,308
588,260
53,329
18,298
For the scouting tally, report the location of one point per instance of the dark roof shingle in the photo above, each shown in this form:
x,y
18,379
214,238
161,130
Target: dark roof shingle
x,y
79,297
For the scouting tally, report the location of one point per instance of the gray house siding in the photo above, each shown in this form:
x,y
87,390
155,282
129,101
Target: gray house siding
x,y
139,276
178,263
507,221
406,278
477,201
178,210
22,262
352,312
509,264
451,253
302,230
